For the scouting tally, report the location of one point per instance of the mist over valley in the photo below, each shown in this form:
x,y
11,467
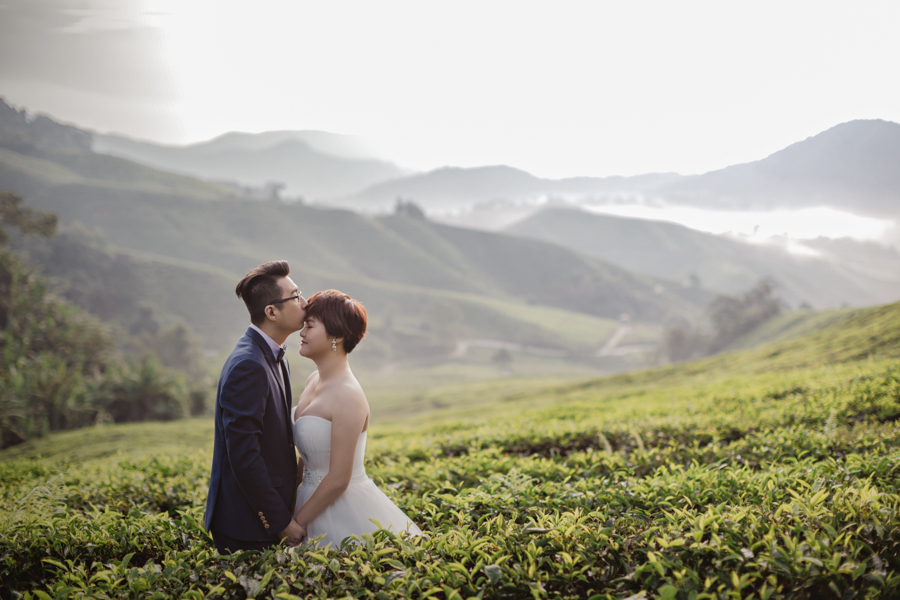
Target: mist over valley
x,y
537,274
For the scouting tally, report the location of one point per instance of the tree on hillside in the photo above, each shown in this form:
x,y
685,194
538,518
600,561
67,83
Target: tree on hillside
x,y
729,318
144,392
88,273
50,355
408,208
58,368
732,317
28,221
682,342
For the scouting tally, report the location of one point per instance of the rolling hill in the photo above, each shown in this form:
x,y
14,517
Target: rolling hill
x,y
505,287
769,473
313,164
812,341
723,264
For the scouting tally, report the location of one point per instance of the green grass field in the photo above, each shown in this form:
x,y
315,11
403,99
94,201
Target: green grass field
x,y
766,473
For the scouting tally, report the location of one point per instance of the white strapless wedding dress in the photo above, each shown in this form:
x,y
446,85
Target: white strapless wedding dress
x,y
361,503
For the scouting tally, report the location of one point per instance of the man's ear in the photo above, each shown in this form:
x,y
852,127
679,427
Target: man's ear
x,y
270,312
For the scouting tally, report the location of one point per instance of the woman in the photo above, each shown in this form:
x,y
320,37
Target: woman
x,y
336,497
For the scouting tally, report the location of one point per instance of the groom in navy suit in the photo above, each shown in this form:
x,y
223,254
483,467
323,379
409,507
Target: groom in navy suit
x,y
254,468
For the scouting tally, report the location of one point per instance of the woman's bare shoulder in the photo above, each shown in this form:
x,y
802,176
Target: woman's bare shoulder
x,y
348,395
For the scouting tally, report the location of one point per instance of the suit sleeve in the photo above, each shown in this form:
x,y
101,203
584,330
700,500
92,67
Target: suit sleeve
x,y
243,403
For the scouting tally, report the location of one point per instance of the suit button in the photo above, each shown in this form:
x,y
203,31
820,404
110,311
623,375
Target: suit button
x,y
266,525
260,514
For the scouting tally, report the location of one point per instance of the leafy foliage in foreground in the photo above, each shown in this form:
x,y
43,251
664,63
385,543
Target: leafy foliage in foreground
x,y
781,485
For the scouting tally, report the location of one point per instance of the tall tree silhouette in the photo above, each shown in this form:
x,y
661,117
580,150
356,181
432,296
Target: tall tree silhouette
x,y
27,220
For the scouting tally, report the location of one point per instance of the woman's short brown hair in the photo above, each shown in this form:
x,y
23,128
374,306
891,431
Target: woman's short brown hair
x,y
341,315
259,288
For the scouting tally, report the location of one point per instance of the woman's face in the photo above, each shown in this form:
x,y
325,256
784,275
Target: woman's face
x,y
313,338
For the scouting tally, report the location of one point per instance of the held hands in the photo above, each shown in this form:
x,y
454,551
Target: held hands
x,y
293,534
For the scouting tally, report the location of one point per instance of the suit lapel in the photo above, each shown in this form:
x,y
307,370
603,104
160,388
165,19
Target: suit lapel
x,y
286,375
285,390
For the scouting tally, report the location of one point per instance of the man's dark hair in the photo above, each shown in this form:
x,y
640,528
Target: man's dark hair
x,y
259,288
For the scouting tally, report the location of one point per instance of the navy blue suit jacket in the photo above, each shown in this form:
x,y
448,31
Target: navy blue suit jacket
x,y
254,468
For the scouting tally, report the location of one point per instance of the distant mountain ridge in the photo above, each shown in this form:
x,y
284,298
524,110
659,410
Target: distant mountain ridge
x,y
451,188
314,164
854,166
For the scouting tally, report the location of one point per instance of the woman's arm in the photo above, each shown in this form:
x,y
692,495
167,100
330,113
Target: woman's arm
x,y
348,419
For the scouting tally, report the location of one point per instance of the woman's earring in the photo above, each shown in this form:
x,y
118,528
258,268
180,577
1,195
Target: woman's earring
x,y
334,344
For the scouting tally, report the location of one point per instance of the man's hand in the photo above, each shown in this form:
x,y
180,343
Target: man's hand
x,y
293,534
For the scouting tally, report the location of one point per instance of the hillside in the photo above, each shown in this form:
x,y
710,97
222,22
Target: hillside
x,y
38,152
719,263
312,164
866,334
787,347
768,473
800,341
535,271
187,230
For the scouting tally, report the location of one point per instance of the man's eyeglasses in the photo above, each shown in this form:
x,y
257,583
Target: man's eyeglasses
x,y
297,298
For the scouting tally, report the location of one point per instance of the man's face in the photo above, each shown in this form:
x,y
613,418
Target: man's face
x,y
290,314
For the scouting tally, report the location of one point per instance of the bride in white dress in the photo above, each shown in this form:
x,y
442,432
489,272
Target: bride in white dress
x,y
336,498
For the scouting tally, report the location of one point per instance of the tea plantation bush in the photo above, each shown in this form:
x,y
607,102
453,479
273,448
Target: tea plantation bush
x,y
752,486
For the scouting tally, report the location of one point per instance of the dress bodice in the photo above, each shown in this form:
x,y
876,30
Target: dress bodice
x,y
361,509
312,436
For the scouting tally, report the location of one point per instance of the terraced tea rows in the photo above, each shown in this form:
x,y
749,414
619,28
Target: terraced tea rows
x,y
780,485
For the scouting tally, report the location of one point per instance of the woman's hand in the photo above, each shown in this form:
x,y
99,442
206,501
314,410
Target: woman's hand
x,y
349,418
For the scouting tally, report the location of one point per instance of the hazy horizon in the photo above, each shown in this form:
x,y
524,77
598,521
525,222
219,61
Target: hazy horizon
x,y
563,90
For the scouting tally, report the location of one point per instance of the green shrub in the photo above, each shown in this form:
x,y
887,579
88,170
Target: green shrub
x,y
51,354
142,392
58,370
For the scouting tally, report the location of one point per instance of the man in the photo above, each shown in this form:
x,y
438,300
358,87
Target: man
x,y
254,468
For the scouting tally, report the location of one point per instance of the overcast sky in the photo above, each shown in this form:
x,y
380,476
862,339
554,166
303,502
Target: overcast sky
x,y
556,88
